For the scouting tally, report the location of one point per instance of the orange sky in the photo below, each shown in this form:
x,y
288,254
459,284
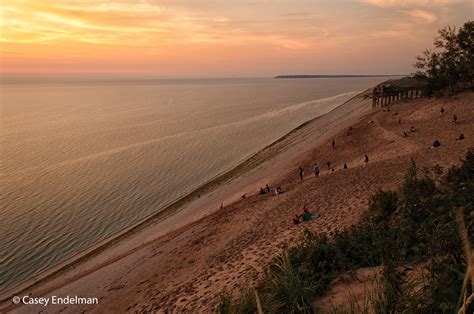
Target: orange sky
x,y
220,37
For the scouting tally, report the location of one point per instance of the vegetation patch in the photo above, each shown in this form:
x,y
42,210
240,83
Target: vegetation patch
x,y
419,235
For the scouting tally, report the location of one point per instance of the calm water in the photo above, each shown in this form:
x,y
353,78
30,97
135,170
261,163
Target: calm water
x,y
80,161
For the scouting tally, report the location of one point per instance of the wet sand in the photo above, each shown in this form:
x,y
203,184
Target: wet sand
x,y
185,262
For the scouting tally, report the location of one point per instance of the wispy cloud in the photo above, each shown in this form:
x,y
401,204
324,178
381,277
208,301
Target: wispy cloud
x,y
145,23
421,15
411,3
178,35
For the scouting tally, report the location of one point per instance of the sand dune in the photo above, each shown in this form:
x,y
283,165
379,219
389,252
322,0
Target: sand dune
x,y
184,263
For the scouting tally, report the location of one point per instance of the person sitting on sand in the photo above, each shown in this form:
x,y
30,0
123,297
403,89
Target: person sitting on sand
x,y
317,170
296,219
455,118
301,173
405,134
267,189
333,143
441,110
278,190
412,129
306,216
262,191
308,213
328,163
345,166
461,137
436,143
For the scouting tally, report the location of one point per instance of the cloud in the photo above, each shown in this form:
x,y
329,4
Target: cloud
x,y
149,23
411,3
421,15
386,34
180,33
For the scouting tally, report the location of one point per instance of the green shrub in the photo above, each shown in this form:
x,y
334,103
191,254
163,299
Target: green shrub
x,y
246,303
383,204
283,290
412,228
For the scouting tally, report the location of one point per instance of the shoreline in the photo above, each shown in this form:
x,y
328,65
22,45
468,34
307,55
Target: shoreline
x,y
174,207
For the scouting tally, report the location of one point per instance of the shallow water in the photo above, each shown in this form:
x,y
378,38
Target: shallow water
x,y
80,161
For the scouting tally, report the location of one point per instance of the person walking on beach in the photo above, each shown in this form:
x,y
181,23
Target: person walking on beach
x,y
455,118
301,173
328,163
317,170
366,159
333,143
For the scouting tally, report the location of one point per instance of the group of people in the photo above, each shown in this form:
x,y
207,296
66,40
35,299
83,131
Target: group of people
x,y
436,142
306,215
317,167
455,117
267,189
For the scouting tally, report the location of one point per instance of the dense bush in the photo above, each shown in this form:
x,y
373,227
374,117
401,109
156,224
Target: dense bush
x,y
412,228
450,65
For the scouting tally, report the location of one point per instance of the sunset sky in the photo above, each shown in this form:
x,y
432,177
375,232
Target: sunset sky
x,y
204,38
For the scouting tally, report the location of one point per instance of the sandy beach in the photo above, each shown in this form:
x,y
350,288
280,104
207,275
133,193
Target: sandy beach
x,y
184,262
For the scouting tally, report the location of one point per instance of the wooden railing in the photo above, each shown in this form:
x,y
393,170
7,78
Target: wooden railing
x,y
385,95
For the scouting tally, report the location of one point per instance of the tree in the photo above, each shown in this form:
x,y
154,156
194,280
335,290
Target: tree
x,y
466,45
450,64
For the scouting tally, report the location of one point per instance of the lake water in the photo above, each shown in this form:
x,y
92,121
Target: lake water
x,y
81,161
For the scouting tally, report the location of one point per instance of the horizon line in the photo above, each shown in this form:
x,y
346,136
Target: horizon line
x,y
12,77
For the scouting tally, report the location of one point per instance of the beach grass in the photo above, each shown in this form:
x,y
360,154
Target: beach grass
x,y
420,237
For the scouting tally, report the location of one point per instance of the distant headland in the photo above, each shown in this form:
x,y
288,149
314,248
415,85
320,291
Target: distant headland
x,y
299,76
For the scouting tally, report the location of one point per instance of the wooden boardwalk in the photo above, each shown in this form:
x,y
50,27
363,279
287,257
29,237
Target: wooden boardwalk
x,y
385,94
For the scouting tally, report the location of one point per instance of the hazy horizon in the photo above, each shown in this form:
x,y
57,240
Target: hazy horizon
x,y
10,77
214,39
